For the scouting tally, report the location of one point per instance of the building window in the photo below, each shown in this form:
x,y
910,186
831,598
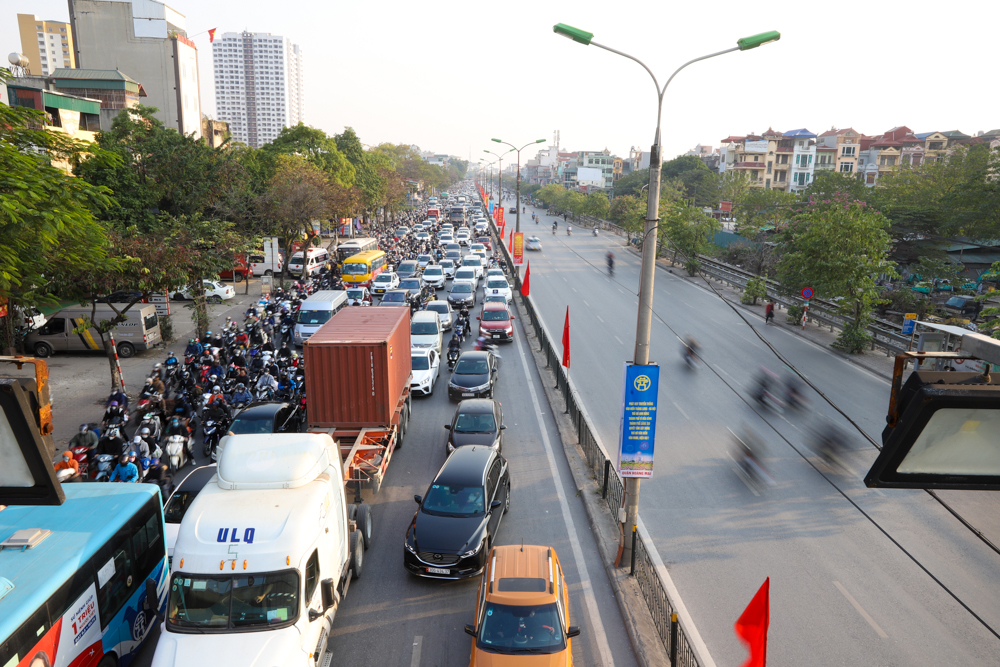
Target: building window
x,y
767,184
846,168
847,151
870,178
935,145
769,165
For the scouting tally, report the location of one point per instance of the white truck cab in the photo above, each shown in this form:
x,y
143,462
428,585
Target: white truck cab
x,y
263,556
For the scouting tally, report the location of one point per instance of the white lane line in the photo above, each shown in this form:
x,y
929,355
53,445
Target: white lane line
x,y
564,279
573,288
599,317
680,411
417,645
861,610
619,340
586,304
596,627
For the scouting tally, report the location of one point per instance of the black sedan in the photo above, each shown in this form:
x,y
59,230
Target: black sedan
x,y
477,421
418,288
462,294
452,531
474,376
275,417
396,297
407,269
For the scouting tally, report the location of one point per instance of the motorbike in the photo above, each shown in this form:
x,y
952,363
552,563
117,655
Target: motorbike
x,y
212,431
595,231
103,465
151,421
553,231
177,452
569,231
82,457
452,359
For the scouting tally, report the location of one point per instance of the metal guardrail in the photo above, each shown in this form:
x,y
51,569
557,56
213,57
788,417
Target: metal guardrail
x,y
671,619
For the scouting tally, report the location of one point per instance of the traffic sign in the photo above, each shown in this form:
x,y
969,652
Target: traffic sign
x,y
909,324
807,292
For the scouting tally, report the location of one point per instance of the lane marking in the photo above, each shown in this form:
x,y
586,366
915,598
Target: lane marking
x,y
861,610
599,317
417,645
573,288
680,410
586,304
619,340
596,627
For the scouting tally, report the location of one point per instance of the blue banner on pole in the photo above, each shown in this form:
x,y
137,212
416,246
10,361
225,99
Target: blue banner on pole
x,y
637,436
909,324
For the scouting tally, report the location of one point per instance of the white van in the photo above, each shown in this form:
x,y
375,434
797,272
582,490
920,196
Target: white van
x,y
269,261
474,262
425,330
315,311
264,555
315,259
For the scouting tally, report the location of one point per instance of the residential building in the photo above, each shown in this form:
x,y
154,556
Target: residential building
x,y
638,159
825,158
47,44
214,132
617,168
935,145
115,90
259,86
728,151
147,39
847,145
803,158
602,161
76,117
779,153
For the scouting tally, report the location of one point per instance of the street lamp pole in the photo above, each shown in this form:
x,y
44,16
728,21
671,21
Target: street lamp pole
x,y
647,274
499,176
517,225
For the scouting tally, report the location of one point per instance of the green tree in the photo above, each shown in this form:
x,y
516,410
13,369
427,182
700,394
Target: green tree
x,y
839,247
317,147
629,213
597,205
937,268
46,215
686,229
631,184
300,194
761,209
682,164
368,179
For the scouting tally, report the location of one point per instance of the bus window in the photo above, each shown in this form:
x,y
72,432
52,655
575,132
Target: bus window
x,y
147,538
115,580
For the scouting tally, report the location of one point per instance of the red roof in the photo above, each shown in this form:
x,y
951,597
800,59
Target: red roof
x,y
821,147
731,139
829,133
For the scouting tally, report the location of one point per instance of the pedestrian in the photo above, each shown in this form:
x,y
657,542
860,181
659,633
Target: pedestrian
x,y
768,312
979,309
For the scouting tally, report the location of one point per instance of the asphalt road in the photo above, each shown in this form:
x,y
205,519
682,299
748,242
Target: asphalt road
x,y
841,591
393,618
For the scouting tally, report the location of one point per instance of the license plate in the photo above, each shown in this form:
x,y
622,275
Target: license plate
x,y
496,291
497,336
438,570
467,393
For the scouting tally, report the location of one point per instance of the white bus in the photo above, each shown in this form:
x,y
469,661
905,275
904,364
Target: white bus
x,y
354,246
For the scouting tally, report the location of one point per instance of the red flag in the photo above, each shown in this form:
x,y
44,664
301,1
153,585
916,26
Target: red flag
x,y
565,359
510,244
526,283
211,35
752,624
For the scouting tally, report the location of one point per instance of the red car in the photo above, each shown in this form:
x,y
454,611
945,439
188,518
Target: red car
x,y
485,240
495,322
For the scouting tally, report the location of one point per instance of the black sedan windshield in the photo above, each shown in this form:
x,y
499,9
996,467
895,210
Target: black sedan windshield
x,y
472,367
475,423
409,283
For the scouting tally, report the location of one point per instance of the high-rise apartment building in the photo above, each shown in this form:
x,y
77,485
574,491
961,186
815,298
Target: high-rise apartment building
x,y
146,40
258,85
47,44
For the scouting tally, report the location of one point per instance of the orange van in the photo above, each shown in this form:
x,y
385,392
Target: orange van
x,y
522,614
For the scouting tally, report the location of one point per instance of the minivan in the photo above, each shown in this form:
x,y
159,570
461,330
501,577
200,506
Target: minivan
x,y
315,311
425,330
140,331
315,259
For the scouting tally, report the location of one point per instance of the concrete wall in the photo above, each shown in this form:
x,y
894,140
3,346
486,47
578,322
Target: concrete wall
x,y
105,39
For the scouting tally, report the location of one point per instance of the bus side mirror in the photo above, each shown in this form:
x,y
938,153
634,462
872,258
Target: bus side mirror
x,y
328,588
153,600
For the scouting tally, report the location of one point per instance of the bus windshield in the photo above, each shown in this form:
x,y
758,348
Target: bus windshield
x,y
201,603
355,268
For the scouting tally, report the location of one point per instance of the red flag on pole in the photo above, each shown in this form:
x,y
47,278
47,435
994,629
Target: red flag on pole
x,y
510,243
565,341
526,283
211,35
752,624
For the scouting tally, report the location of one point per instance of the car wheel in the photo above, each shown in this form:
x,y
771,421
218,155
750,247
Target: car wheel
x,y
239,277
357,554
126,350
269,272
178,297
214,299
43,350
364,519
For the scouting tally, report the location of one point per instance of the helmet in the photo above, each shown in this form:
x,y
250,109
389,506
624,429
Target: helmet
x,y
137,439
171,354
295,355
84,428
192,340
213,377
131,454
145,430
208,333
241,386
157,365
216,389
114,404
123,458
284,344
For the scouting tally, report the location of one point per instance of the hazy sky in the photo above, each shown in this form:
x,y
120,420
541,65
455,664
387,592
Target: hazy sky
x,y
447,76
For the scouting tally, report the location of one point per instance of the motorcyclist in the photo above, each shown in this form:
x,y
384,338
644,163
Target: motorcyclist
x,y
117,395
218,370
284,352
218,410
141,447
216,395
480,343
147,437
67,462
111,442
611,261
241,395
125,471
454,345
267,381
691,348
193,348
160,475
242,339
84,438
569,230
114,413
176,427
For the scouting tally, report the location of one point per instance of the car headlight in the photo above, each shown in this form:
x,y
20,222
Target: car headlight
x,y
482,387
471,552
409,547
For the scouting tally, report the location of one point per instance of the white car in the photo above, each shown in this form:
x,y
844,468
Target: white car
x,y
425,370
215,292
481,226
449,268
477,247
384,282
433,276
423,261
495,272
467,274
443,309
533,243
359,296
496,286
445,238
423,236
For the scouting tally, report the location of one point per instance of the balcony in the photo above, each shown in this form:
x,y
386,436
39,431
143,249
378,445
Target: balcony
x,y
784,149
803,167
750,165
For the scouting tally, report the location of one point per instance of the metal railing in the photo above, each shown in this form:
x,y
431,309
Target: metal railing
x,y
670,618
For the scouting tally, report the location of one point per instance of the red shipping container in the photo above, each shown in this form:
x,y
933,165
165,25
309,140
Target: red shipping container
x,y
357,367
